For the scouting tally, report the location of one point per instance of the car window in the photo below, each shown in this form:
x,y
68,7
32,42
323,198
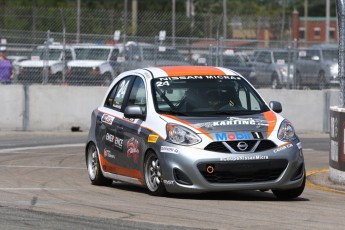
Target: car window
x,y
114,54
46,54
264,57
312,53
203,95
68,55
117,94
138,94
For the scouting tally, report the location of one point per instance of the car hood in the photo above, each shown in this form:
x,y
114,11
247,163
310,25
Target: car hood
x,y
85,63
258,124
41,63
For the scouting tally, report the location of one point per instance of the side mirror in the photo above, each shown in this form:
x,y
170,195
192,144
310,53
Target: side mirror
x,y
276,106
134,112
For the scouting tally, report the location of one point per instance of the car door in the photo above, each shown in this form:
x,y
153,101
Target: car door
x,y
110,125
135,136
312,66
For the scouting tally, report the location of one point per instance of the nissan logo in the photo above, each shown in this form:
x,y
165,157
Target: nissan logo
x,y
242,146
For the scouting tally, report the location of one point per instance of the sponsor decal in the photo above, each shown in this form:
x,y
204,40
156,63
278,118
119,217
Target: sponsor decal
x,y
152,138
299,145
108,154
109,137
167,149
284,147
233,121
233,136
334,151
168,182
216,77
133,149
107,119
139,130
129,119
244,158
334,127
118,142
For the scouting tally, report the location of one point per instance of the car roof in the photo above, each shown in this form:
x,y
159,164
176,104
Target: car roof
x,y
173,71
96,46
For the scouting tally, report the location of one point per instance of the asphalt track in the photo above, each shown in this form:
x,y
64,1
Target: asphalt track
x,y
44,185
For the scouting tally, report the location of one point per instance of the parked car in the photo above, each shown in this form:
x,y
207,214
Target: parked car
x,y
236,62
192,129
273,67
15,60
140,55
94,64
317,66
46,64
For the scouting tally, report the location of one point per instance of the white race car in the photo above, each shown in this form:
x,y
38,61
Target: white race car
x,y
193,129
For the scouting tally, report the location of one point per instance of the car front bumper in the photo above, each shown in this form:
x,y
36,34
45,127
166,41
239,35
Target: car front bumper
x,y
194,170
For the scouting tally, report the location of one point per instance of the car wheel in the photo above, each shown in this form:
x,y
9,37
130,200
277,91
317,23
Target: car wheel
x,y
94,168
153,175
322,81
290,193
274,82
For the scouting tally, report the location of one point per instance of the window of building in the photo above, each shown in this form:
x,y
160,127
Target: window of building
x,y
302,33
317,32
332,33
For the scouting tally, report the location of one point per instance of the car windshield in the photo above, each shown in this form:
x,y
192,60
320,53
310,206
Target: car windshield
x,y
281,57
46,54
206,95
330,54
92,54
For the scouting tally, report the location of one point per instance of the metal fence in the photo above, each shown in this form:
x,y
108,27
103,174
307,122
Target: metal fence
x,y
47,47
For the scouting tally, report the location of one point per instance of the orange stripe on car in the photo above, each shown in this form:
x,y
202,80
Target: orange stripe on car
x,y
271,120
116,169
189,124
173,71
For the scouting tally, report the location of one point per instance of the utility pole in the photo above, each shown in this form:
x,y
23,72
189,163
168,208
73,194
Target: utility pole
x,y
173,22
78,22
306,20
225,21
134,17
327,20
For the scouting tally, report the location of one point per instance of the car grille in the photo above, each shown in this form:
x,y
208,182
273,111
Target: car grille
x,y
243,171
81,70
232,146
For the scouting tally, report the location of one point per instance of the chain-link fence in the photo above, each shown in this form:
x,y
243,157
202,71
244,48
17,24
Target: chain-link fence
x,y
48,47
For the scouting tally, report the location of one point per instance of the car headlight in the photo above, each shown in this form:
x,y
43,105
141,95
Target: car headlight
x,y
286,131
180,135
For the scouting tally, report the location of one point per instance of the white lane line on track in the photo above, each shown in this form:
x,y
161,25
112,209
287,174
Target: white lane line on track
x,y
41,147
35,189
41,167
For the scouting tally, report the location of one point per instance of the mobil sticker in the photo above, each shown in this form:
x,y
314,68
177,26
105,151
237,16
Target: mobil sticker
x,y
233,136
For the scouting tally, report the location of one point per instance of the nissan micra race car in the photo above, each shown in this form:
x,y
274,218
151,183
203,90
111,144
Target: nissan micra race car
x,y
192,129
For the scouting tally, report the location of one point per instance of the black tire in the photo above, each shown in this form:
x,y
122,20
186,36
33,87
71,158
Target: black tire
x,y
322,84
153,175
94,168
290,193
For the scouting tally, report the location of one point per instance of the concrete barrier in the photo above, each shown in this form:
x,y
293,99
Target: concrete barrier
x,y
12,107
54,108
